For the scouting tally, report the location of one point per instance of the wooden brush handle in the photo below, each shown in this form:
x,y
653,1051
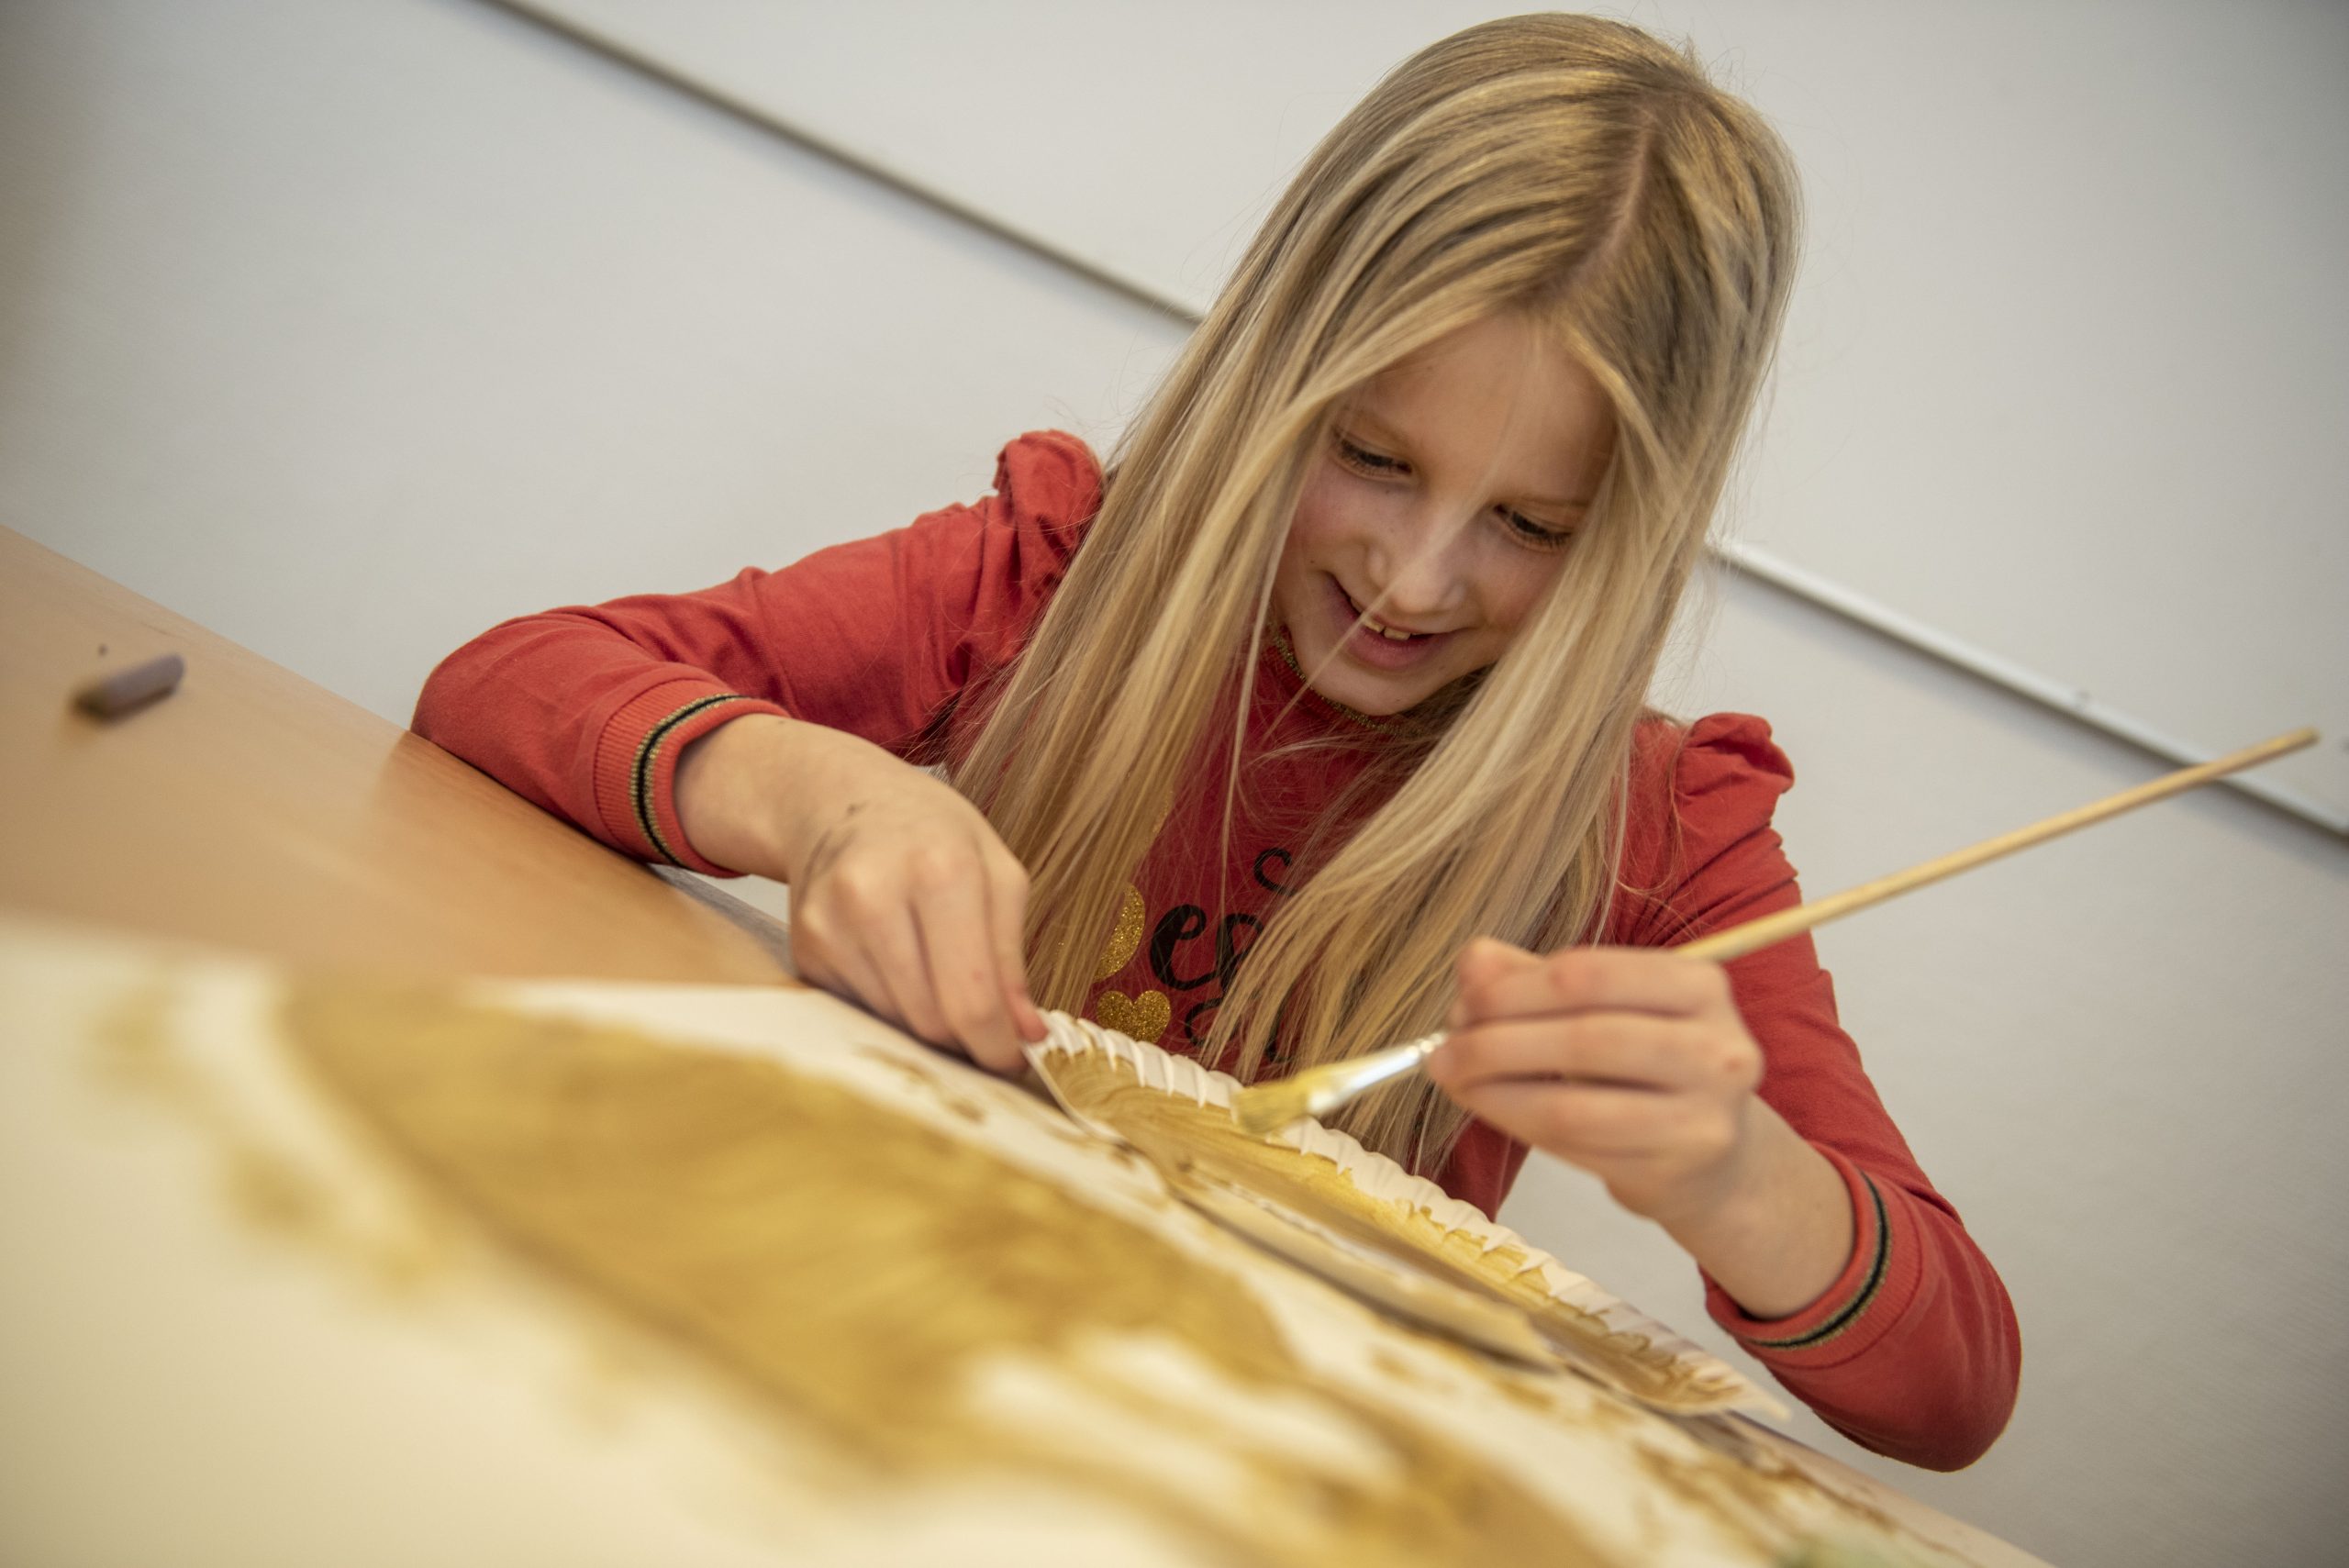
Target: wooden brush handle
x,y
1739,940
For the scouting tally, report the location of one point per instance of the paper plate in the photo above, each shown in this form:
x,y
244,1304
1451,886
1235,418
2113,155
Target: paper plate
x,y
1358,1219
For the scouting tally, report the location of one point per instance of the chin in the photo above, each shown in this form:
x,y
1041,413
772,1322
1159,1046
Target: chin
x,y
1374,699
1378,705
1354,702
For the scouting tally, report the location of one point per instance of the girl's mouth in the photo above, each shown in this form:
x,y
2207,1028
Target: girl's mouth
x,y
1376,643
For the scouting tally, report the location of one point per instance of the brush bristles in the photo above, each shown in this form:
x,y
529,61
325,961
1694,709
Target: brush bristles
x,y
1268,1108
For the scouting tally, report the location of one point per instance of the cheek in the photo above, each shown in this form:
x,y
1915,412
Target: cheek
x,y
1320,521
1515,589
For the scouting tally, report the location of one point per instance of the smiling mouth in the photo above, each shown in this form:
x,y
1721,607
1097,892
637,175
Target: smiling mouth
x,y
1373,623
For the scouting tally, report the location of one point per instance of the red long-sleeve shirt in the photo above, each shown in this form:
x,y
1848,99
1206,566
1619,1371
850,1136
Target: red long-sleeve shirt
x,y
1913,1351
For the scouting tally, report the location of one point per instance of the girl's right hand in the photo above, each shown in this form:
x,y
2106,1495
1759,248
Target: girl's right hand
x,y
902,897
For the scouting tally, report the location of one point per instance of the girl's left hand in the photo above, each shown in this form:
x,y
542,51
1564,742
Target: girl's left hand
x,y
1630,1062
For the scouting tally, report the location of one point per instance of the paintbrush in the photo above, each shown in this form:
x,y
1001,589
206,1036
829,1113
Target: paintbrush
x,y
1317,1091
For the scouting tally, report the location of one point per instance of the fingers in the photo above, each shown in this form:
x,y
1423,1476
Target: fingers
x,y
1634,1050
1582,1122
1008,928
828,958
962,967
1632,1064
902,896
1498,981
930,937
877,958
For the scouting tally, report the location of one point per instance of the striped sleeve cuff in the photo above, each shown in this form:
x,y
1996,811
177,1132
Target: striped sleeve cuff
x,y
636,766
1865,1300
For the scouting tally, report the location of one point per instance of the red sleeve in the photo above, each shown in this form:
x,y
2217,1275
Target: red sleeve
x,y
1914,1351
583,711
1483,1167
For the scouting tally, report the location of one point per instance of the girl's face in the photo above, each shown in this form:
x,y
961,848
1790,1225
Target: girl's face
x,y
1439,514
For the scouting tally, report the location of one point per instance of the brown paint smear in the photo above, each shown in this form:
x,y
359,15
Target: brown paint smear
x,y
1191,1143
860,1267
265,1185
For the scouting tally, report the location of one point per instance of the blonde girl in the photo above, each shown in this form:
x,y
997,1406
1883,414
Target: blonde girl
x,y
1317,719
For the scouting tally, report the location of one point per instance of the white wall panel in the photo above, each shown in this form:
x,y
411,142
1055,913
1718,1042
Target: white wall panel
x,y
352,329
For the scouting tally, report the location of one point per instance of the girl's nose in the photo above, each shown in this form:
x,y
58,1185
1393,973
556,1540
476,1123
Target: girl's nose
x,y
1421,566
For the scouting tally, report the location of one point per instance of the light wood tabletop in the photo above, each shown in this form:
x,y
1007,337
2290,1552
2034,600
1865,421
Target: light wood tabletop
x,y
253,809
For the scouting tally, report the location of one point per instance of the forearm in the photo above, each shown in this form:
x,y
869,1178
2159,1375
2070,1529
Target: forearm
x,y
1776,1228
1913,1351
581,721
585,711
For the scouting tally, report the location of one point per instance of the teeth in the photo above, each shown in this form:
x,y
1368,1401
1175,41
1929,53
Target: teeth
x,y
1389,632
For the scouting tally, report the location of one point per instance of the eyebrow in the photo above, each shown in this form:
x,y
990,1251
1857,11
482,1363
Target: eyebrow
x,y
1360,413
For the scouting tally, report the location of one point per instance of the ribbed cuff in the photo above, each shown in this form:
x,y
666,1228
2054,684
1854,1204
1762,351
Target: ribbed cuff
x,y
636,766
1874,1289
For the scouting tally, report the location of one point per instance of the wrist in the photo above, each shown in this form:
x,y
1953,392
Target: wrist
x,y
1775,1228
1723,1194
727,787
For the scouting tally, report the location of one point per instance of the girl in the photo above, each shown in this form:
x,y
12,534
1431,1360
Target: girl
x,y
1306,726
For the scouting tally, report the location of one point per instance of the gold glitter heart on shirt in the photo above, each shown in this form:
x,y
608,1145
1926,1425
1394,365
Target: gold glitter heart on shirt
x,y
1124,936
1142,1017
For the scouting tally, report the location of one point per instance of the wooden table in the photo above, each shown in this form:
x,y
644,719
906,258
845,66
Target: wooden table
x,y
255,811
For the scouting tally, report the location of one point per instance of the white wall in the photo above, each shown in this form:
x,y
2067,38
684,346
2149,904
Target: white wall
x,y
350,330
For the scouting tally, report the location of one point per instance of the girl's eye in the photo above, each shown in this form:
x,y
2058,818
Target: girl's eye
x,y
1536,536
1362,459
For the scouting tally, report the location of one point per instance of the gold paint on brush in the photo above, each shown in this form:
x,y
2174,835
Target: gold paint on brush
x,y
861,1267
1318,1090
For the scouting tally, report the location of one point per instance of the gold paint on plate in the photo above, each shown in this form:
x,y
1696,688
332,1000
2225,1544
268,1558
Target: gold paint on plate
x,y
266,1185
863,1268
1755,1497
1198,1146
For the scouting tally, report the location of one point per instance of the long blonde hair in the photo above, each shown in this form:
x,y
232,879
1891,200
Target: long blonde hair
x,y
1571,170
